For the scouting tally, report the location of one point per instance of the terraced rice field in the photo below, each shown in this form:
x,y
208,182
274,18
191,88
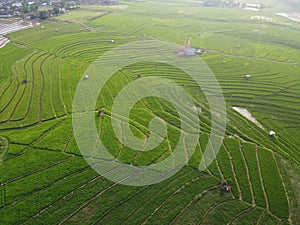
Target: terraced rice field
x,y
44,178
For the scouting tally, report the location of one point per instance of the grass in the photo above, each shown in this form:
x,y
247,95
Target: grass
x,y
12,54
80,16
34,160
274,190
251,217
269,219
250,155
224,212
43,179
33,133
46,180
197,207
240,168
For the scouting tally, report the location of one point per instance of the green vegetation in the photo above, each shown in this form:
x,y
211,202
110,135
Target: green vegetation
x,y
43,176
80,16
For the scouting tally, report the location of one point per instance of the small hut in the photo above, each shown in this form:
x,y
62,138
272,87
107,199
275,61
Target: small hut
x,y
238,46
188,50
112,41
272,133
139,76
225,185
24,81
247,76
101,112
86,77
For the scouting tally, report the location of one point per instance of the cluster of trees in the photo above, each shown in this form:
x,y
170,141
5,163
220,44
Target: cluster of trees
x,y
221,3
17,7
58,8
64,4
43,15
26,8
30,8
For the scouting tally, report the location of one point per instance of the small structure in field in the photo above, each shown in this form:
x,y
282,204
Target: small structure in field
x,y
24,81
238,46
139,75
86,77
225,185
247,76
101,112
188,50
224,62
112,41
196,109
272,133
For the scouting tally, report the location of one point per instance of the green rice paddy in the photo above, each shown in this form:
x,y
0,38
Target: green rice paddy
x,y
44,178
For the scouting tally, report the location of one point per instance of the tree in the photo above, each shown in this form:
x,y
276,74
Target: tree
x,y
43,15
56,11
62,4
25,9
32,16
33,7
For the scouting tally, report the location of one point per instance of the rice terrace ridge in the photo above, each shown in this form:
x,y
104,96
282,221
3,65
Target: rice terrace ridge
x,y
150,112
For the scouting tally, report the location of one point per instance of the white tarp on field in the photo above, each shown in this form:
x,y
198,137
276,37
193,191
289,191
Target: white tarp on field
x,y
244,112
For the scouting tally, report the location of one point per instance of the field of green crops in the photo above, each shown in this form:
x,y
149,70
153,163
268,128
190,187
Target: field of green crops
x,y
45,180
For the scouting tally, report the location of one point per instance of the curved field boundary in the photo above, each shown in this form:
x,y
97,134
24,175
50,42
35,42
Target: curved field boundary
x,y
70,193
166,199
6,88
196,198
261,217
223,201
275,191
23,117
14,93
126,200
38,170
4,148
133,204
233,168
240,168
240,214
46,133
248,174
30,194
261,179
96,196
31,61
284,186
255,58
43,86
174,183
18,79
